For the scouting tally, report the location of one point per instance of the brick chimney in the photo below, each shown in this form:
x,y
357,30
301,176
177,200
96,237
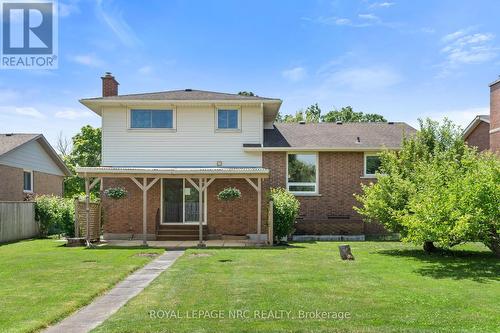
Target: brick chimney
x,y
109,85
495,116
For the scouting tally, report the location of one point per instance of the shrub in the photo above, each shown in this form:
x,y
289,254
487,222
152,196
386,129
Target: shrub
x,y
54,215
115,192
229,194
285,211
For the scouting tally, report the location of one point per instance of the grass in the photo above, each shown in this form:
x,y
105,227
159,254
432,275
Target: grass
x,y
42,281
390,287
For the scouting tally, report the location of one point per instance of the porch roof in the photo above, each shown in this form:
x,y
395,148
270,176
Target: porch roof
x,y
160,172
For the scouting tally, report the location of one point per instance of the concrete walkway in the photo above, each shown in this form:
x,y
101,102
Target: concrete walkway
x,y
91,316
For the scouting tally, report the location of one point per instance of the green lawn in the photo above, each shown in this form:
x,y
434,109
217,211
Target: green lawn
x,y
42,281
390,287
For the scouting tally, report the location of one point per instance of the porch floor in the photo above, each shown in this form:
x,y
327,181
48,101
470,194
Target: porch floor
x,y
184,244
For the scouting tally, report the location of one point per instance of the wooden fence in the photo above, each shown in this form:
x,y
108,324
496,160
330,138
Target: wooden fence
x,y
17,221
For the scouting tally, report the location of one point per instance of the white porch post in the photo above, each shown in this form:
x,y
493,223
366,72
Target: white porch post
x,y
144,187
200,212
144,212
258,188
87,211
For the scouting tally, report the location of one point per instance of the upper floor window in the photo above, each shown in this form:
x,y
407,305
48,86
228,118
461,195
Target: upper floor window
x,y
372,164
302,173
28,181
228,119
151,119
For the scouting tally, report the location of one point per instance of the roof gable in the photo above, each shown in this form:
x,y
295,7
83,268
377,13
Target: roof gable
x,y
12,142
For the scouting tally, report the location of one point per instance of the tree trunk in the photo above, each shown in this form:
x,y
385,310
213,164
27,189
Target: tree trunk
x,y
494,243
429,247
345,252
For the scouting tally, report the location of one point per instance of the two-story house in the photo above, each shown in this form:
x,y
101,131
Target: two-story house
x,y
174,151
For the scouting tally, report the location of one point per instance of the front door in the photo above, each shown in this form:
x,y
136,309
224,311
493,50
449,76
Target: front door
x,y
180,201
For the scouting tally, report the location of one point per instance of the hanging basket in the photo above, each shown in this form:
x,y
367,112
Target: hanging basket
x,y
229,194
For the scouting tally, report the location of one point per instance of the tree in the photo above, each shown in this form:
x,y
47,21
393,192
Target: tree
x,y
63,145
348,115
246,93
313,113
387,200
457,201
436,189
86,152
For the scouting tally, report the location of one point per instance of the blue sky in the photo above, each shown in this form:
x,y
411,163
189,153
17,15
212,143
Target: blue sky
x,y
403,59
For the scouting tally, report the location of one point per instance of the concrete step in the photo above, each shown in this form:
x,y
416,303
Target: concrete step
x,y
177,237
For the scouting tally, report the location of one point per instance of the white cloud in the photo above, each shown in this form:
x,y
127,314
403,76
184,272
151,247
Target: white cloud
x,y
368,17
294,74
364,78
145,70
28,111
72,114
381,5
90,60
466,47
114,20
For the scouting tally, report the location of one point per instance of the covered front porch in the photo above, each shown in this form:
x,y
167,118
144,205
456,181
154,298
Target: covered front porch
x,y
180,204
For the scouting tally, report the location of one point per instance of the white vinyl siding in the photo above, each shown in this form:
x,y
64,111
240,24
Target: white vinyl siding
x,y
31,156
196,141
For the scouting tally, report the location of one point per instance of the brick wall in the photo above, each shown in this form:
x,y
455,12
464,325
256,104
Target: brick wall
x,y
238,217
339,178
124,216
44,183
495,116
11,183
480,137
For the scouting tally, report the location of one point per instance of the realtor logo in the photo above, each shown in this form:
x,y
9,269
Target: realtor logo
x,y
29,34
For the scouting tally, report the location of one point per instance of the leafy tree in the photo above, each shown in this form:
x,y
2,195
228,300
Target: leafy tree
x,y
436,189
288,118
387,200
457,201
313,113
246,93
86,152
348,115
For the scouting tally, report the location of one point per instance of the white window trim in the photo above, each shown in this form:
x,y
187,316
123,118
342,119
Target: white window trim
x,y
166,108
216,118
32,179
368,175
316,184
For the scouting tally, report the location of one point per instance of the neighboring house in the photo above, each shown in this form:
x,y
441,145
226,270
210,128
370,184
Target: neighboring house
x,y
165,148
495,116
28,164
477,134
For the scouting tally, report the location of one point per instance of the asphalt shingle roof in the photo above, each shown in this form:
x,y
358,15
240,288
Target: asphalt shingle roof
x,y
186,94
332,135
12,141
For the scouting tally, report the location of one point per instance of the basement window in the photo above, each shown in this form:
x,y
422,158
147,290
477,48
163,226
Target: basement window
x,y
302,171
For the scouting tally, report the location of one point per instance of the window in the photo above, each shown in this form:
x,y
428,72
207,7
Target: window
x,y
227,119
151,119
302,173
28,181
372,164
